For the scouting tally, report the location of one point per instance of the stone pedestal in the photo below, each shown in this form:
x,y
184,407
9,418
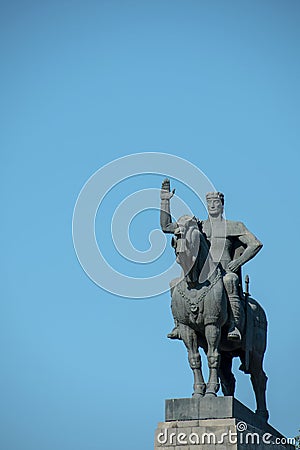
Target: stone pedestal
x,y
218,423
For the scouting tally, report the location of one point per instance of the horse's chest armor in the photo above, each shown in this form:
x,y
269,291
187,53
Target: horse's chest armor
x,y
194,298
190,304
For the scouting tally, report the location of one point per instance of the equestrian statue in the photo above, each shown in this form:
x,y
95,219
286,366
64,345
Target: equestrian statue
x,y
209,306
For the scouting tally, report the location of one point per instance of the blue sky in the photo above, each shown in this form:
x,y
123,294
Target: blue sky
x,y
84,83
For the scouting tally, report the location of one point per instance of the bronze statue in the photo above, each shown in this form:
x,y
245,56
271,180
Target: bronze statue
x,y
208,304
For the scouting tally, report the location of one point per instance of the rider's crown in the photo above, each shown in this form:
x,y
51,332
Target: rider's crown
x,y
218,195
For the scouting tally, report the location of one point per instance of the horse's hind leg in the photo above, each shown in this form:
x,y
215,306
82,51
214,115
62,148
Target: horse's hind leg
x,y
226,376
259,383
190,340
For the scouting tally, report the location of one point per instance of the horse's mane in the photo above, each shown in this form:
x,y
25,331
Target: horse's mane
x,y
197,245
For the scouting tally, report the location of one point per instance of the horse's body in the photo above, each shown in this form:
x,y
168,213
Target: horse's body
x,y
200,307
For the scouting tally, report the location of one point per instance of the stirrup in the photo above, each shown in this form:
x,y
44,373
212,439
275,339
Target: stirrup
x,y
234,335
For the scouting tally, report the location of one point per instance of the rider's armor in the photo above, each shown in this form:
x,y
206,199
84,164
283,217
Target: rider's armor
x,y
225,246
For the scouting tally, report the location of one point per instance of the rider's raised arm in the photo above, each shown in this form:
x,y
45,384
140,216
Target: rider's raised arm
x,y
166,223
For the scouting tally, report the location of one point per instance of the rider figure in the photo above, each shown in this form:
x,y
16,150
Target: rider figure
x,y
231,244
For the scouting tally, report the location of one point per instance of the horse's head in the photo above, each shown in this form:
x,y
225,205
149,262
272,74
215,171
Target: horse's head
x,y
186,243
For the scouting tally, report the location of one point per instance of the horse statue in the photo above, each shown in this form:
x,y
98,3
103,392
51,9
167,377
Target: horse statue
x,y
200,309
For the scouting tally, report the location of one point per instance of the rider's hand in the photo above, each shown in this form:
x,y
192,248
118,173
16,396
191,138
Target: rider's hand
x,y
234,265
165,193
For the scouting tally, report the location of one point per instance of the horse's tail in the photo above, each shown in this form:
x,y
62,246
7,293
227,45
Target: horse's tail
x,y
258,313
256,332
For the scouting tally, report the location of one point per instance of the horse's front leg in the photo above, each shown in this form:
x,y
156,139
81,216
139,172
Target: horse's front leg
x,y
190,340
213,334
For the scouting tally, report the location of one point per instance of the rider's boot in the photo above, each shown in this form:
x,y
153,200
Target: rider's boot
x,y
237,319
175,333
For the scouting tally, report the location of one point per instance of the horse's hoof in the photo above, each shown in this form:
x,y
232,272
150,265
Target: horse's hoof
x,y
197,395
212,389
262,414
210,394
199,389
